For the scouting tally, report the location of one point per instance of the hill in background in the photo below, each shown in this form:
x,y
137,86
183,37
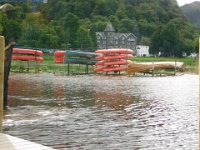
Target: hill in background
x,y
72,24
192,12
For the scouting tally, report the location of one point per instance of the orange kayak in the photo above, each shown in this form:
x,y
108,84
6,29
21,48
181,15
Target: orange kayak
x,y
109,69
59,60
121,56
114,51
98,69
100,63
27,51
120,62
38,59
115,69
59,53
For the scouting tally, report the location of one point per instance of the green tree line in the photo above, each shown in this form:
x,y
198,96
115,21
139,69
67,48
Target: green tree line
x,y
71,24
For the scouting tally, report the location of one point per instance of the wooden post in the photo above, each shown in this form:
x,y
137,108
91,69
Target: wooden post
x,y
7,65
153,68
67,68
199,84
175,67
2,54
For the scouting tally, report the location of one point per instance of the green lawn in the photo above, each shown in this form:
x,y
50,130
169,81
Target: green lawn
x,y
187,60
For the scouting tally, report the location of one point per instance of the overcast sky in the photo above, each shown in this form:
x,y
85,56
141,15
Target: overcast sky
x,y
183,2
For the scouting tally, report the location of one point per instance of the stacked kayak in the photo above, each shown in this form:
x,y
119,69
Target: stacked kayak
x,y
59,56
75,57
27,55
113,60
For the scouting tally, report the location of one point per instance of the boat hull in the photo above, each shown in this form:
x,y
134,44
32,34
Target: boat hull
x,y
112,51
59,60
27,51
148,66
121,68
111,57
27,58
80,61
70,53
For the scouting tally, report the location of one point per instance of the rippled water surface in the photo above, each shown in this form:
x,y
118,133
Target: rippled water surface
x,y
104,112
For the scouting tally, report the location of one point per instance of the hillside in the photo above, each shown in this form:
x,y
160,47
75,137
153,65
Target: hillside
x,y
64,24
191,12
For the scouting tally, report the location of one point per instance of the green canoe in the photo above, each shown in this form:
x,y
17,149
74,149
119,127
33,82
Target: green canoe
x,y
82,54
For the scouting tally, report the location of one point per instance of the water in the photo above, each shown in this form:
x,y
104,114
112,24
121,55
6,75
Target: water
x,y
104,112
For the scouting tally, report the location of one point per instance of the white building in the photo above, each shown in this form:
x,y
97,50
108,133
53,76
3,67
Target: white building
x,y
142,50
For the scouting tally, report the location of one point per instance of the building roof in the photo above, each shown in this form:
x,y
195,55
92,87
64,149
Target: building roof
x,y
109,28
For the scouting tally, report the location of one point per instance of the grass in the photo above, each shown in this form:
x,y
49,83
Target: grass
x,y
187,60
50,67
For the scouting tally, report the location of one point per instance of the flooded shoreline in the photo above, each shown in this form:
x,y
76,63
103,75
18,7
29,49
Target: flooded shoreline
x,y
104,112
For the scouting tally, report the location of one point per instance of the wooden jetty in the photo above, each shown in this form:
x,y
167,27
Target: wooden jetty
x,y
8,142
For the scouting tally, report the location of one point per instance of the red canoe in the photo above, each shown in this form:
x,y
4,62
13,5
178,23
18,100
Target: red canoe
x,y
38,59
27,51
114,51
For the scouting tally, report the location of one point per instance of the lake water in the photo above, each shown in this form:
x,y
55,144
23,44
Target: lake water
x,y
104,112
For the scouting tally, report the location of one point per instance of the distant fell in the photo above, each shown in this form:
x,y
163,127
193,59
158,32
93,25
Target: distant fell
x,y
192,12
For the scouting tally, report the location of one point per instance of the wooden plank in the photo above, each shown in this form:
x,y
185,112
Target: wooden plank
x,y
2,53
8,142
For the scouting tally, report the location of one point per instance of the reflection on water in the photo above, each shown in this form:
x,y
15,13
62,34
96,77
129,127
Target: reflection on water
x,y
104,112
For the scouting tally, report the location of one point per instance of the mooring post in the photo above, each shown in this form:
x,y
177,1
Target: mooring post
x,y
2,54
7,66
153,68
87,66
67,68
175,67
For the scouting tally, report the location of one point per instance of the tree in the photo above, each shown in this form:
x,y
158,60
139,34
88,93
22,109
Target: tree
x,y
10,26
171,41
156,41
30,36
83,9
84,38
127,25
167,40
101,8
71,22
